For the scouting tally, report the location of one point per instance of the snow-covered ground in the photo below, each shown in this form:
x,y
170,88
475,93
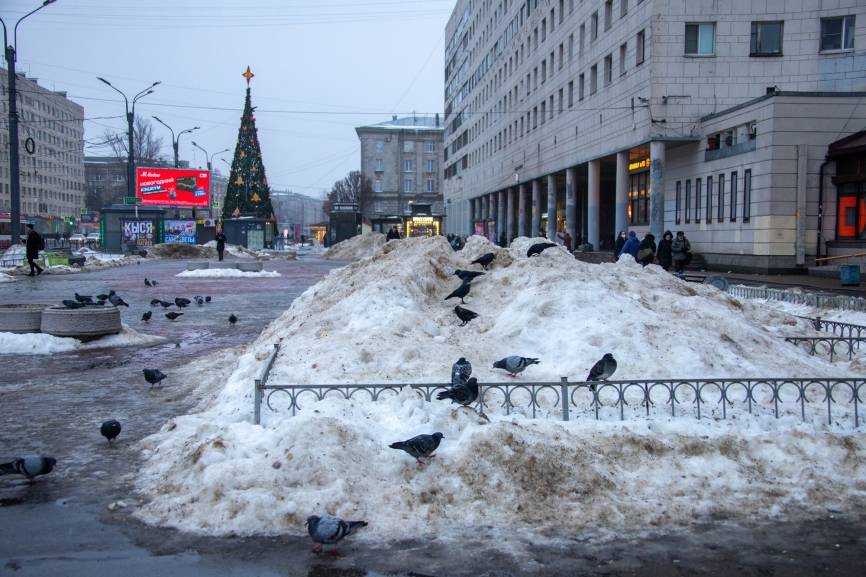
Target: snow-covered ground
x,y
6,278
44,344
227,273
843,316
383,319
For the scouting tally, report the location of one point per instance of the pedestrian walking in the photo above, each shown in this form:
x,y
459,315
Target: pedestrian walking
x,y
647,249
680,248
631,245
664,253
221,243
620,241
33,245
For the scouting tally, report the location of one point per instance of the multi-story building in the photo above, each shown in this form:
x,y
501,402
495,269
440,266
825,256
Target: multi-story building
x,y
297,213
725,119
402,158
51,154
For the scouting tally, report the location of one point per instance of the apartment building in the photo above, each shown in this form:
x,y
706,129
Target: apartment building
x,y
727,119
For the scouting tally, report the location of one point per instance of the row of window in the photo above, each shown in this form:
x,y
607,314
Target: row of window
x,y
409,146
408,185
430,165
691,208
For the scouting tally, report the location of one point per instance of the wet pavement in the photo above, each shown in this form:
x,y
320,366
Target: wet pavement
x,y
77,521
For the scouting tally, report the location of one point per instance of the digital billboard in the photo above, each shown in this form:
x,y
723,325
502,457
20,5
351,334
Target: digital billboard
x,y
173,187
180,231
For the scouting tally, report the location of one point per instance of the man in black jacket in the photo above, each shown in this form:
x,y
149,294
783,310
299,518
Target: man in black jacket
x,y
34,244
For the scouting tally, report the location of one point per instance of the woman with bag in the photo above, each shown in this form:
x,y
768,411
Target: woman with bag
x,y
680,248
646,252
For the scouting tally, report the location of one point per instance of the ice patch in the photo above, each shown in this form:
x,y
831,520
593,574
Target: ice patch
x,y
44,344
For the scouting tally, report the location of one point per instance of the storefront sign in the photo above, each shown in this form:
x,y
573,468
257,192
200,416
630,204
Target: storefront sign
x,y
138,232
639,164
180,231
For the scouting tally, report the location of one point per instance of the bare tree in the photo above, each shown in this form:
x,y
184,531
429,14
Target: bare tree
x,y
354,188
147,147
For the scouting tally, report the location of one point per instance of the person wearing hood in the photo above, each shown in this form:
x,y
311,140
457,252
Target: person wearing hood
x,y
647,249
664,253
680,248
631,245
620,241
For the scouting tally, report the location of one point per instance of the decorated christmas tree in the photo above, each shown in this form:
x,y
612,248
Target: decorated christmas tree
x,y
248,193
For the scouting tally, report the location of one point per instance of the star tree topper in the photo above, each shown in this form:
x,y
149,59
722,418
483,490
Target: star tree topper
x,y
248,74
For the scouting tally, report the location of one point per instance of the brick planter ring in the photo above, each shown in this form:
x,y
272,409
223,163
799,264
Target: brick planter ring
x,y
84,323
21,318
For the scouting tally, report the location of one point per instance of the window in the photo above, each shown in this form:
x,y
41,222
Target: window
x,y
637,209
380,145
561,100
408,146
677,203
593,27
377,186
721,209
571,94
767,38
593,79
380,165
543,29
709,199
431,165
623,8
837,33
408,165
543,111
733,197
608,15
608,69
622,50
580,87
698,193
534,117
701,39
543,71
551,106
430,147
409,185
570,46
561,10
747,195
431,185
688,201
639,48
561,55
582,36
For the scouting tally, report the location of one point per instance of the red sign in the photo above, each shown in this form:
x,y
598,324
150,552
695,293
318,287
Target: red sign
x,y
173,186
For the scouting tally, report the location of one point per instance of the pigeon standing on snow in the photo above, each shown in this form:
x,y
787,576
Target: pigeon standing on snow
x,y
155,302
467,275
484,260
514,364
146,316
153,376
232,318
329,530
460,292
460,371
173,315
181,302
420,447
207,299
462,394
602,370
464,315
539,248
110,429
147,282
29,466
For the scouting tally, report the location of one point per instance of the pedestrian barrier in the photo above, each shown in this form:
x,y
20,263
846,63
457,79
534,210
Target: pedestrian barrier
x,y
837,328
818,300
833,347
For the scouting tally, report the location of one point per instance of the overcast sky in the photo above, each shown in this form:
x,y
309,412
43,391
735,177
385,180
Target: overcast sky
x,y
322,67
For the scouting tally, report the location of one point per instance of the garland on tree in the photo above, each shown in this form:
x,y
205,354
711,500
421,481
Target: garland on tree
x,y
248,193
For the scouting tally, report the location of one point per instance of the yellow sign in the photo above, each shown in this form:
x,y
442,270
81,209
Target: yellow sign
x,y
638,165
422,219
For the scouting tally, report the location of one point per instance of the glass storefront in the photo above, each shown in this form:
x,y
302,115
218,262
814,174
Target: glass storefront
x,y
638,199
422,226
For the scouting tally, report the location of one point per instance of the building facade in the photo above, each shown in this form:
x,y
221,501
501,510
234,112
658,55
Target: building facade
x,y
714,117
51,154
403,159
297,214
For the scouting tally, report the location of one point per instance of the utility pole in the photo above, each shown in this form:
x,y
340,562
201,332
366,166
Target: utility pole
x,y
175,141
209,159
14,169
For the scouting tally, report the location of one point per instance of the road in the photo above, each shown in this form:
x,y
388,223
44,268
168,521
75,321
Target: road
x,y
77,521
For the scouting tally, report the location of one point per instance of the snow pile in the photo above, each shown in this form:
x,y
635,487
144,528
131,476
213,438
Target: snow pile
x,y
383,319
181,250
44,344
5,277
234,250
357,247
227,273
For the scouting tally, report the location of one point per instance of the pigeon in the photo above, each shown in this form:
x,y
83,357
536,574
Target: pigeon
x,y
154,283
110,429
467,275
462,394
155,302
173,315
207,299
102,297
84,299
232,318
420,447
460,371
181,302
537,249
146,316
30,466
116,300
329,530
147,282
484,260
73,304
153,376
199,300
165,304
464,315
460,292
602,370
514,364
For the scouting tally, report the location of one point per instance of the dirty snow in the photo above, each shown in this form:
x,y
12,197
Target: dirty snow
x,y
383,319
227,273
5,277
44,344
357,247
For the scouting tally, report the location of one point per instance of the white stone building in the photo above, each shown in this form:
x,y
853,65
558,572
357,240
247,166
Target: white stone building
x,y
594,116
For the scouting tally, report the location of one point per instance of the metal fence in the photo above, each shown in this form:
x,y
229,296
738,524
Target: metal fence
x,y
837,328
819,300
833,347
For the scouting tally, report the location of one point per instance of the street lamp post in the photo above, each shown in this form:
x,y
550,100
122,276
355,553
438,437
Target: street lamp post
x,y
175,141
209,160
14,176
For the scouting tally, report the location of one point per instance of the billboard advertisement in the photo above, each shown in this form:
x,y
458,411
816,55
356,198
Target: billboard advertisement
x,y
138,232
180,231
173,187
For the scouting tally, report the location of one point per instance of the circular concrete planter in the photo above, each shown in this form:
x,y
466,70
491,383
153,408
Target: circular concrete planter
x,y
21,318
87,322
197,265
252,266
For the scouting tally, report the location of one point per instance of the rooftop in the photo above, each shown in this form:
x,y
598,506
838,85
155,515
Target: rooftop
x,y
416,122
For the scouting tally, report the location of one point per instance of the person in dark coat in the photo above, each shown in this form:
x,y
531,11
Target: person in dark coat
x,y
33,245
620,241
631,245
680,248
221,243
664,253
646,252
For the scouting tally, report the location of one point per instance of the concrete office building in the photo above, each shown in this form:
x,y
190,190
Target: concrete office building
x,y
297,213
714,117
403,159
51,153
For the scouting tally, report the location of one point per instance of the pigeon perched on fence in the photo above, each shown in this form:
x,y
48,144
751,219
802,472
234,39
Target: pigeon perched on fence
x,y
146,316
181,302
329,530
173,315
153,376
461,371
460,292
233,319
464,315
84,299
539,248
116,300
514,364
602,370
70,304
30,466
484,260
420,447
462,394
467,275
110,429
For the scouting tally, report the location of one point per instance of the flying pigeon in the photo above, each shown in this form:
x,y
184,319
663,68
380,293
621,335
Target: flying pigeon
x,y
207,299
73,304
173,315
602,370
329,530
420,447
110,429
84,299
155,302
514,364
181,302
460,371
464,314
539,248
153,376
29,466
460,292
147,282
462,394
467,275
116,300
484,260
146,316
232,318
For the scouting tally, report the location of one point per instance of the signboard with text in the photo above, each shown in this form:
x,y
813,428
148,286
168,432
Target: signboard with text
x,y
180,231
138,232
173,187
